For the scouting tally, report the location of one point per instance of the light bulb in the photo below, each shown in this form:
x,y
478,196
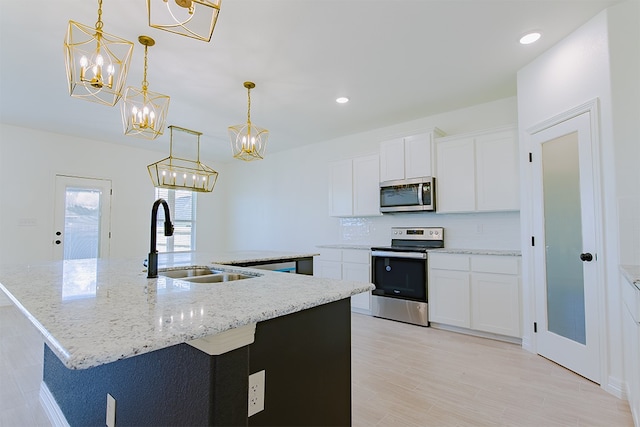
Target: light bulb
x,y
99,60
111,69
84,61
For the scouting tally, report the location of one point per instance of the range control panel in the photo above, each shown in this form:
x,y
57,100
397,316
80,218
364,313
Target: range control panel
x,y
417,233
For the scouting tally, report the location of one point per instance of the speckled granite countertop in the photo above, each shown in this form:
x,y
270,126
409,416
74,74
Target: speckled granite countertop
x,y
632,274
443,250
242,257
346,246
92,312
479,252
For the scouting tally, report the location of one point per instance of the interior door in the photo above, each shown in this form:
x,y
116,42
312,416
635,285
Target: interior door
x,y
81,218
566,271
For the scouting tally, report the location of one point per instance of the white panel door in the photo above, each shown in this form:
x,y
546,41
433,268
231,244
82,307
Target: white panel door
x,y
417,156
366,185
497,172
341,188
392,159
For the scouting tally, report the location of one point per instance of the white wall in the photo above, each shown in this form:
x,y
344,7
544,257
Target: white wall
x,y
281,202
577,70
29,161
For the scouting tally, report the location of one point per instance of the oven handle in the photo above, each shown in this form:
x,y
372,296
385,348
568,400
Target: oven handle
x,y
392,254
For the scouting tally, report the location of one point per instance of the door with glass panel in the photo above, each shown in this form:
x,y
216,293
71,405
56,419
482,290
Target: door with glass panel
x,y
566,270
81,218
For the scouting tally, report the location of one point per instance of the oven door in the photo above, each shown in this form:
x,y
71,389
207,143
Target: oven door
x,y
400,274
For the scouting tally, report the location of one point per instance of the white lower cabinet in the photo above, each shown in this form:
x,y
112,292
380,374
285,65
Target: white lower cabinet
x,y
347,264
478,292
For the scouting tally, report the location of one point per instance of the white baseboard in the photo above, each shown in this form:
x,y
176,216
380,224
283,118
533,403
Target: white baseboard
x,y
51,407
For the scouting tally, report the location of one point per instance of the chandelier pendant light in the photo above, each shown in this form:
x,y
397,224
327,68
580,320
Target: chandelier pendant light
x,y
97,62
248,142
183,174
191,18
144,112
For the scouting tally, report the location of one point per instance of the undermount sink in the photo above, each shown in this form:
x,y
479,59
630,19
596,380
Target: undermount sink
x,y
203,275
217,278
187,272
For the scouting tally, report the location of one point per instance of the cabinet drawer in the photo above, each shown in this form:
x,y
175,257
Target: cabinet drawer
x,y
449,262
329,254
495,264
356,255
631,298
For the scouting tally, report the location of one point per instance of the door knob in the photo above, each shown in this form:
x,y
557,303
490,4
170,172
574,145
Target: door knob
x,y
58,242
586,257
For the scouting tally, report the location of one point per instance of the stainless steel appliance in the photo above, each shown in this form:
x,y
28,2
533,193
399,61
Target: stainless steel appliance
x,y
399,273
408,195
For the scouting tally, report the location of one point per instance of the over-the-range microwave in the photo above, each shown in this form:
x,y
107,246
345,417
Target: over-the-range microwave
x,y
408,195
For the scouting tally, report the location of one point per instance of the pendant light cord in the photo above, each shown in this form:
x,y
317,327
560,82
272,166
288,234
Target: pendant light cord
x,y
99,21
249,106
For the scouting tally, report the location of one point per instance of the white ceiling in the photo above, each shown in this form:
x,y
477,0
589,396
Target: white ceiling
x,y
397,60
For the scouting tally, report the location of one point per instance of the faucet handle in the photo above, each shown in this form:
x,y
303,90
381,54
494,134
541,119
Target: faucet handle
x,y
168,228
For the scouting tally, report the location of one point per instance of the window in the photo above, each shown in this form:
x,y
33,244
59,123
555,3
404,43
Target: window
x,y
183,215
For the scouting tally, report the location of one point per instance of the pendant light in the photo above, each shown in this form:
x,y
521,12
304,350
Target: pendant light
x,y
248,142
97,62
183,174
191,18
144,112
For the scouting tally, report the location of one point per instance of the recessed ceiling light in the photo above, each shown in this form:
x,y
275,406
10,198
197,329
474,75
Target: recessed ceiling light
x,y
530,37
342,100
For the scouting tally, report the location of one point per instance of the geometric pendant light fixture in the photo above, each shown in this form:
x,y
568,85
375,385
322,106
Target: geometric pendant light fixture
x,y
97,62
191,18
248,142
144,112
179,173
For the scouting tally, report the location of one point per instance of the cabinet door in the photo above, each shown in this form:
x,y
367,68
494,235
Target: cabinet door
x,y
392,160
417,156
327,269
497,172
341,188
449,298
366,185
496,304
455,181
358,273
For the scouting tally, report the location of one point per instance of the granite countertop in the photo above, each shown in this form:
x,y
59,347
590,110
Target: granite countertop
x,y
242,257
632,274
498,252
346,246
93,312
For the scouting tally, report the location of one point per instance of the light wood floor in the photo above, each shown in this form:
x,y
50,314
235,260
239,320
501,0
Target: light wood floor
x,y
406,375
403,375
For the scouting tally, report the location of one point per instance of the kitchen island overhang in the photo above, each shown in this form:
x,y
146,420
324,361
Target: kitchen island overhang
x,y
95,313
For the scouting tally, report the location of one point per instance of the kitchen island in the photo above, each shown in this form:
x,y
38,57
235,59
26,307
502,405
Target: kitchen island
x,y
173,352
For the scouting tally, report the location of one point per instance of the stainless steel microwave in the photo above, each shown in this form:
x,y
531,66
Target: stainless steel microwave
x,y
408,195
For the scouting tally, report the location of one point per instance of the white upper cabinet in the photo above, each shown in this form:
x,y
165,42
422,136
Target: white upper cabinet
x,y
409,157
478,172
354,187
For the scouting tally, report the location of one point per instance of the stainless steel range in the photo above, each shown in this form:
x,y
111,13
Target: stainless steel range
x,y
399,272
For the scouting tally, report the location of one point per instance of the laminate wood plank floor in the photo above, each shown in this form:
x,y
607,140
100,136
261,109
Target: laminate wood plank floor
x,y
403,375
407,375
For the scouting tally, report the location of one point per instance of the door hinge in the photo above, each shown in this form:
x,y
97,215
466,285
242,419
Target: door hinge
x,y
533,241
535,327
111,191
530,157
109,234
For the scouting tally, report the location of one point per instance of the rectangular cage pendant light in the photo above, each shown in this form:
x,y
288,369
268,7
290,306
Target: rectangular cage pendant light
x,y
191,18
183,174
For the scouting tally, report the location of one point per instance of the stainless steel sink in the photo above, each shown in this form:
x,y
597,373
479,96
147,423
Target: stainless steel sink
x,y
217,278
202,275
187,272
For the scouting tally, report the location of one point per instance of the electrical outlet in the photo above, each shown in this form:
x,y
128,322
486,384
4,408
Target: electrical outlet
x,y
111,411
256,392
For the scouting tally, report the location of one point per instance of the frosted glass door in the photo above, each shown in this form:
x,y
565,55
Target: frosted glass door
x,y
563,237
566,269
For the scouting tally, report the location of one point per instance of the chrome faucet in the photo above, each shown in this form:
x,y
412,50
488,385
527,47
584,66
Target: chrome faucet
x,y
152,268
